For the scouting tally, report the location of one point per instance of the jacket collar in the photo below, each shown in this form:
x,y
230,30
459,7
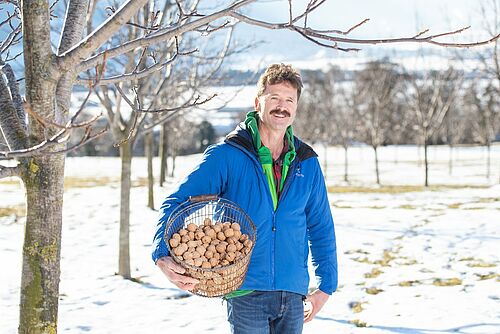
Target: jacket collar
x,y
242,138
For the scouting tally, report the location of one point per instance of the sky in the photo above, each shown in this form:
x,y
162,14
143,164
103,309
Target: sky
x,y
388,18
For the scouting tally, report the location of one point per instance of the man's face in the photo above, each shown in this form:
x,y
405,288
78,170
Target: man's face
x,y
277,107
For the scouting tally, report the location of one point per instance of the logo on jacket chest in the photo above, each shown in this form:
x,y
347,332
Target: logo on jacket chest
x,y
298,172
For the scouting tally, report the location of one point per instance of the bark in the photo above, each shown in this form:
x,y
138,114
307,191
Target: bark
x,y
163,153
16,95
149,148
376,164
43,178
10,123
72,33
125,186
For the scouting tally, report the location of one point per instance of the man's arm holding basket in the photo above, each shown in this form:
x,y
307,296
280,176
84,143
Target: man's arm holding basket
x,y
208,177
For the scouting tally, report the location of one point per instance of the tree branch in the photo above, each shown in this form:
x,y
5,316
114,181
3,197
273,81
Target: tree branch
x,y
314,35
10,124
15,95
161,35
93,41
135,75
60,137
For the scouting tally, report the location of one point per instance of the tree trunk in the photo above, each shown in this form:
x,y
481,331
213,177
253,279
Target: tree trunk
x,y
174,154
124,242
419,156
450,160
149,148
376,164
488,161
163,153
43,179
346,164
426,163
325,163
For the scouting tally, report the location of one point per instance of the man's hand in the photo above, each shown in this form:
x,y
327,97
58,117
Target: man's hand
x,y
174,273
317,299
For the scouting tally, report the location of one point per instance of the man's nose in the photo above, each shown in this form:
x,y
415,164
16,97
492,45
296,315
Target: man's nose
x,y
281,104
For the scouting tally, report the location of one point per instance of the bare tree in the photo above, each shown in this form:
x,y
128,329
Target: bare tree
x,y
485,105
326,113
36,132
430,99
453,130
377,86
314,121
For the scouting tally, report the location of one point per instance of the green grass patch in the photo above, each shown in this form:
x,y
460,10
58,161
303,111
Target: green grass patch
x,y
342,206
409,283
89,182
362,260
358,323
408,262
356,307
17,210
387,257
14,182
447,281
374,273
407,207
481,264
373,291
483,277
488,200
398,189
356,251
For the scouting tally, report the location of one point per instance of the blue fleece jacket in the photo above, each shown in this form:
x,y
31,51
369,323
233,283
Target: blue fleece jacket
x,y
302,220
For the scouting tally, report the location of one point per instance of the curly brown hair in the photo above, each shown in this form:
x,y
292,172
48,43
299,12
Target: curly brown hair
x,y
278,73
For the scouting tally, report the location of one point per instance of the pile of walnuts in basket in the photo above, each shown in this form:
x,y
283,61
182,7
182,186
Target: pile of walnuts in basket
x,y
210,245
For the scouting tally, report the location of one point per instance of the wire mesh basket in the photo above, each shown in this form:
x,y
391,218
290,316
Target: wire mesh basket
x,y
221,280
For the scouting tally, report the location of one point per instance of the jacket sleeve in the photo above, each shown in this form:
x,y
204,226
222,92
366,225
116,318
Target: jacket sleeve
x,y
208,178
321,233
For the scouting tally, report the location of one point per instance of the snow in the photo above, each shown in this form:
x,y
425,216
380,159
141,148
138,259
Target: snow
x,y
414,241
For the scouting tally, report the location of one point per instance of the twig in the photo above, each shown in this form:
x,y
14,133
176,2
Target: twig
x,y
42,148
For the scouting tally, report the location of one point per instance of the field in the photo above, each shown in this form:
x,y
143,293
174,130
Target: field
x,y
411,259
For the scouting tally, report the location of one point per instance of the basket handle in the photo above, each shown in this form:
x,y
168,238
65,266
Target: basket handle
x,y
200,198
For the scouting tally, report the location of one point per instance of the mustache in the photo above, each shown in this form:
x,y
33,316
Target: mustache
x,y
280,111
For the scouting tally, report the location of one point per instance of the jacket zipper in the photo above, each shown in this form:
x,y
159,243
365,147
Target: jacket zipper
x,y
286,185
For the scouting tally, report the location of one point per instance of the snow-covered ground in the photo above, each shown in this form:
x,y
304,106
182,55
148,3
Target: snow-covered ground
x,y
409,262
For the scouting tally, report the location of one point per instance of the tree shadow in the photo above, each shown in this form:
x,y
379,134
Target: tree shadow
x,y
406,330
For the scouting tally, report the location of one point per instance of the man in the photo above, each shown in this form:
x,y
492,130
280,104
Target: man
x,y
276,179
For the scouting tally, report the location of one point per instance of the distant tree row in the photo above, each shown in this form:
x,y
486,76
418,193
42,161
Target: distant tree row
x,y
384,104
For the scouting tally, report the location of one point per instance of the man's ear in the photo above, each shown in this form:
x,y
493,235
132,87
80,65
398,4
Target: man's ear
x,y
257,103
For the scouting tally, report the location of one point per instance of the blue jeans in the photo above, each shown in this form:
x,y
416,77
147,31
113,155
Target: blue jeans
x,y
264,312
